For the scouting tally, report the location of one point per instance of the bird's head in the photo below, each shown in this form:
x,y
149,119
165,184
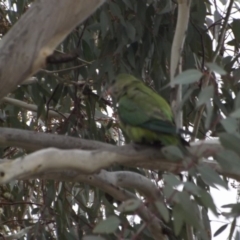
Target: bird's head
x,y
121,84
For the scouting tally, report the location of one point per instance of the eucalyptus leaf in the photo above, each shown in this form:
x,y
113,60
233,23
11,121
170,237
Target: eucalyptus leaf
x,y
209,108
189,208
214,67
205,95
171,180
231,125
173,153
230,141
235,114
237,102
208,202
234,209
187,77
235,28
178,219
223,2
131,31
210,176
92,237
128,3
163,210
220,230
109,225
104,23
170,192
228,160
191,187
130,205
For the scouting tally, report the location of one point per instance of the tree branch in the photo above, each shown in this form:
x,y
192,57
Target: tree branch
x,y
51,113
51,25
32,107
32,141
54,159
89,162
127,179
176,51
66,165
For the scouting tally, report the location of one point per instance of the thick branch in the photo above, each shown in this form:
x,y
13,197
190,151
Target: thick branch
x,y
179,36
176,51
127,179
66,165
141,156
32,141
35,36
89,162
54,159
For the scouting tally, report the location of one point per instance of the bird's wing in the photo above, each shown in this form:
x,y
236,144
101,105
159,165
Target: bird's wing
x,y
138,109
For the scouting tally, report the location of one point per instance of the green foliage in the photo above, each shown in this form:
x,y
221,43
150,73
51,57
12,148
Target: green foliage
x,y
110,225
188,76
133,37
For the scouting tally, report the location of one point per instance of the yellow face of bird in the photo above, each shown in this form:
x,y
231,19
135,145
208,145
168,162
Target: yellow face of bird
x,y
121,84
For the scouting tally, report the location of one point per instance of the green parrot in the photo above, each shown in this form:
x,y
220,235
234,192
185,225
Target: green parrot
x,y
144,115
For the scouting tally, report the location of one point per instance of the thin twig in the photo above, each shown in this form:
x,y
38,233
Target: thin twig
x,y
62,70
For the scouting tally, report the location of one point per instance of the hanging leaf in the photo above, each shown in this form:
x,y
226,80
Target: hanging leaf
x,y
207,201
230,125
163,210
205,95
171,180
109,225
220,230
92,237
230,141
235,29
172,153
178,219
130,205
187,77
215,68
228,160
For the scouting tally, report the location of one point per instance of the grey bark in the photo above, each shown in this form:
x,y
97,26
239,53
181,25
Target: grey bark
x,y
23,50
